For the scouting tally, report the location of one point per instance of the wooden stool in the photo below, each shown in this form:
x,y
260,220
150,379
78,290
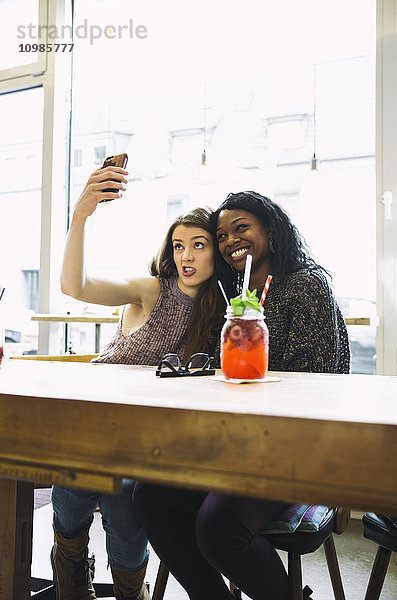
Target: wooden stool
x,y
383,531
296,544
301,542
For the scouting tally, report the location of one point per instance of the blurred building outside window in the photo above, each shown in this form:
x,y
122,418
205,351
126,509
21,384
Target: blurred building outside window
x,y
258,132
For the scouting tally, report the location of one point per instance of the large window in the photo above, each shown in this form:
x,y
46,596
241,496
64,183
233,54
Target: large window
x,y
33,165
258,125
166,81
21,124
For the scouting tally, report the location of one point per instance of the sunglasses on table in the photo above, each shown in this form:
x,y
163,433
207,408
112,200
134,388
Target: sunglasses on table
x,y
198,364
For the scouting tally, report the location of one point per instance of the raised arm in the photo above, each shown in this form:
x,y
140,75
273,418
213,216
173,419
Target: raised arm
x,y
75,281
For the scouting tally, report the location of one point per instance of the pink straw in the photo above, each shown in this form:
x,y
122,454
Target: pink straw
x,y
265,289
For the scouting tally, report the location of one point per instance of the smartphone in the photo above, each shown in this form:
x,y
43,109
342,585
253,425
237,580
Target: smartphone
x,y
118,160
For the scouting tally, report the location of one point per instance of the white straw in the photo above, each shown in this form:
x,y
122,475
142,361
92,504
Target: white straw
x,y
223,292
247,274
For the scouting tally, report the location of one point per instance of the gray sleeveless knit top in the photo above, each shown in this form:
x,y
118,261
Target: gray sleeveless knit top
x,y
164,331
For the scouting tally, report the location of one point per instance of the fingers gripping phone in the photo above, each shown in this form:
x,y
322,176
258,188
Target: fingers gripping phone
x,y
118,160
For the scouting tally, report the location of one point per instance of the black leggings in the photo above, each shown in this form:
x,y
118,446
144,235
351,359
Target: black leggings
x,y
200,535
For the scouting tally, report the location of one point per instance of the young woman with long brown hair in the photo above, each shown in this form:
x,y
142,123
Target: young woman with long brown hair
x,y
177,310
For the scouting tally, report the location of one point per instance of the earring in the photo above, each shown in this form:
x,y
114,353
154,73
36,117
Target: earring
x,y
270,242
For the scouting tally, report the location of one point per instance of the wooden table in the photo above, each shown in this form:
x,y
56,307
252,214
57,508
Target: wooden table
x,y
326,439
97,319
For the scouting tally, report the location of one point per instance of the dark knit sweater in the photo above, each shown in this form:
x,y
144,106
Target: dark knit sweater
x,y
163,332
306,328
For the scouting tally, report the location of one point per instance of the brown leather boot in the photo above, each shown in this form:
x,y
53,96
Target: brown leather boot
x,y
72,568
130,585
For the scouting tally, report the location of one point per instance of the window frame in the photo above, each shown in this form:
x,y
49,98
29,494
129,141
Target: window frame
x,y
39,67
386,181
54,158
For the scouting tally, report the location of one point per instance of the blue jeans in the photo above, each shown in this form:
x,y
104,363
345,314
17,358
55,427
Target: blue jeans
x,y
126,542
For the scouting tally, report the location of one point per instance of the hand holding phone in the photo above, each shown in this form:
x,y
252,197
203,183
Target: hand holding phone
x,y
118,160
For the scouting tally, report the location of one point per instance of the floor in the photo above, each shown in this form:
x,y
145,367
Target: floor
x,y
355,553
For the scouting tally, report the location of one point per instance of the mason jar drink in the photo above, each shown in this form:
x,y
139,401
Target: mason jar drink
x,y
244,345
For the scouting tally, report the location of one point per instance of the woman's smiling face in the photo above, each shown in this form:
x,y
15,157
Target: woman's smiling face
x,y
239,233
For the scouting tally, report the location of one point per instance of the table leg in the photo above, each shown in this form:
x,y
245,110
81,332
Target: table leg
x,y
66,337
97,337
16,528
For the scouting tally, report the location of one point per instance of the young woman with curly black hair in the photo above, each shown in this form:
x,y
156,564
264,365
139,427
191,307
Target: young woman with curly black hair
x,y
201,536
306,329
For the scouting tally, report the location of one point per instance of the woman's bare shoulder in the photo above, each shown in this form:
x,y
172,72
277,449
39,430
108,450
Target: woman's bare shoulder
x,y
147,288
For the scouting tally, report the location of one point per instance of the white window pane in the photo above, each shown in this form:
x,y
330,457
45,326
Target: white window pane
x,y
21,122
19,21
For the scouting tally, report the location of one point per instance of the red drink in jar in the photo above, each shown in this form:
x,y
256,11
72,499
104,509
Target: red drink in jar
x,y
244,345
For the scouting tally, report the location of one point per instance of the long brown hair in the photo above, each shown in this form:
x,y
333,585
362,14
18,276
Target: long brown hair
x,y
206,319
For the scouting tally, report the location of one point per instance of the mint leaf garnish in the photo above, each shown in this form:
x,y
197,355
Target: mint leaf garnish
x,y
239,305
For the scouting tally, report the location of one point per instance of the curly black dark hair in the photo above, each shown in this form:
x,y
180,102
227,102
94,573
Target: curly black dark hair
x,y
290,251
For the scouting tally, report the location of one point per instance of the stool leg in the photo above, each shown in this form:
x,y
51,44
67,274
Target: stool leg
x,y
378,574
295,577
235,590
161,582
333,568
